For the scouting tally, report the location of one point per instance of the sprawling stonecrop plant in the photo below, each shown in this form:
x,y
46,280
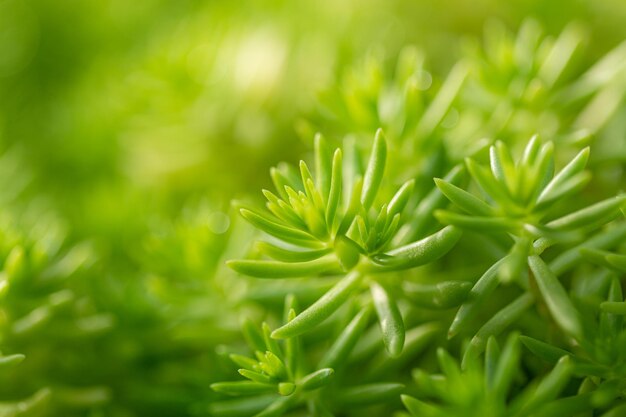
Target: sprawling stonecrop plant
x,y
333,225
338,234
498,387
450,267
414,109
602,353
284,376
526,83
523,211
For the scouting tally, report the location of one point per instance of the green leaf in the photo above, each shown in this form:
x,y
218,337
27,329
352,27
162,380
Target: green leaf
x,y
568,189
614,307
507,367
400,198
541,173
464,200
363,395
353,208
316,379
419,408
618,261
390,319
560,55
293,347
543,350
244,362
603,240
286,388
515,262
492,359
442,102
596,256
352,169
617,411
282,210
318,205
448,365
479,224
500,321
485,285
531,152
416,341
337,354
484,178
319,409
559,304
323,164
287,255
441,295
280,182
242,387
423,251
274,269
321,309
273,366
573,405
270,344
334,196
277,408
551,386
375,170
240,407
253,336
305,175
576,166
285,233
597,214
256,376
422,220
430,385
502,165
611,324
10,360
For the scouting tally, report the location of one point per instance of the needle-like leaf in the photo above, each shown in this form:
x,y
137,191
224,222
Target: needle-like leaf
x,y
390,319
334,195
423,251
559,304
545,351
485,285
570,170
316,379
375,169
442,295
500,321
274,269
242,387
463,199
338,353
285,233
322,308
363,395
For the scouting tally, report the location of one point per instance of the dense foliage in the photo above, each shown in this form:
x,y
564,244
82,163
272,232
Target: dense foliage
x,y
452,241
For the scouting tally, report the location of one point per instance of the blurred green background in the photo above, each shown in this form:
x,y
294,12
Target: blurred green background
x,y
126,128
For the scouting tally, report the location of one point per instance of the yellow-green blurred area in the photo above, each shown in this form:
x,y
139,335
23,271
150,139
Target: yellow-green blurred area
x,y
127,127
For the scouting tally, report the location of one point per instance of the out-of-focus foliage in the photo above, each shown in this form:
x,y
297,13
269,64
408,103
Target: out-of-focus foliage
x,y
127,127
